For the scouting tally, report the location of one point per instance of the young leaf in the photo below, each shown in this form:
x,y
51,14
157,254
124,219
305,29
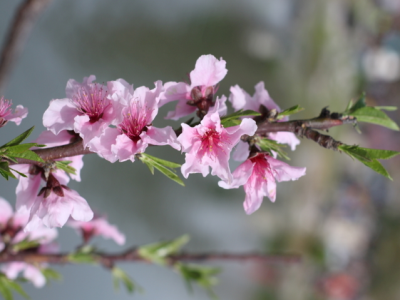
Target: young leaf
x,y
25,244
16,287
373,115
359,104
120,276
64,165
161,165
20,148
158,252
28,154
203,276
82,258
19,139
290,111
270,145
51,274
388,108
234,119
5,170
166,163
369,157
5,289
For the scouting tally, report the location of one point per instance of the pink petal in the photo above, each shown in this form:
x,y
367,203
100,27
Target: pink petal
x,y
19,114
262,97
181,110
192,165
162,136
34,275
124,148
60,115
241,151
208,71
74,86
174,91
27,188
285,172
241,100
102,144
285,138
6,211
240,176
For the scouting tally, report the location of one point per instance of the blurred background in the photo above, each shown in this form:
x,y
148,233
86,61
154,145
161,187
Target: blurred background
x,y
342,217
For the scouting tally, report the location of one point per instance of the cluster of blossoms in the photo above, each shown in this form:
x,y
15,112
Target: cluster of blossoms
x,y
14,239
115,121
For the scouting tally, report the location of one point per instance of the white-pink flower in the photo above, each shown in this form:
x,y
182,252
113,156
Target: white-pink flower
x,y
28,187
98,226
134,132
258,175
11,225
88,110
208,72
6,113
55,205
240,99
209,145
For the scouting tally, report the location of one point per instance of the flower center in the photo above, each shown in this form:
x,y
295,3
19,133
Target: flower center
x,y
211,142
261,166
92,102
135,121
5,107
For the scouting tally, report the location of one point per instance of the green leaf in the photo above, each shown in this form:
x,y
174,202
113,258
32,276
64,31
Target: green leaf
x,y
64,165
270,145
369,157
5,289
290,111
166,163
120,276
161,165
158,252
359,104
82,258
51,274
203,276
20,148
28,154
388,108
19,139
16,287
19,173
373,115
7,286
25,244
5,170
234,119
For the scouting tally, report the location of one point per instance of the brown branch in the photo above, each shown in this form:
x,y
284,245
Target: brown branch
x,y
131,255
23,22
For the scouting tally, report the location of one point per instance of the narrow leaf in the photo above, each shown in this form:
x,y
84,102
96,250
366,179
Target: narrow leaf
x,y
19,139
20,148
270,146
120,276
163,162
158,252
167,172
16,287
51,274
5,290
290,111
64,165
370,114
388,108
235,118
359,104
29,154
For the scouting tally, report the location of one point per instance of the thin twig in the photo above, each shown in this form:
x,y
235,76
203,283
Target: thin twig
x,y
23,22
131,255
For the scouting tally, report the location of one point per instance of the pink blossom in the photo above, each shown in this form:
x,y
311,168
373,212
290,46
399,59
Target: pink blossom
x,y
135,132
28,187
208,72
258,175
209,145
88,110
53,206
240,99
6,113
30,273
98,226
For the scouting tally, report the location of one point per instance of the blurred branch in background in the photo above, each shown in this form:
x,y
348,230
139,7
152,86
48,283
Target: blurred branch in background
x,y
20,28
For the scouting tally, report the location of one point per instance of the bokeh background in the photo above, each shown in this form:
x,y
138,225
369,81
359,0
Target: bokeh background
x,y
342,218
